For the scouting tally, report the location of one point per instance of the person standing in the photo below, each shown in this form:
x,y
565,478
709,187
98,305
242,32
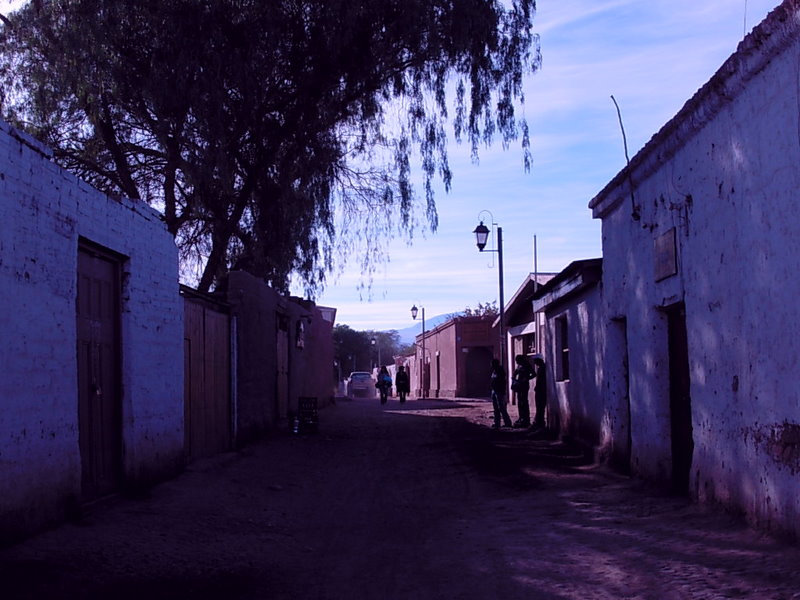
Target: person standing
x,y
402,383
384,384
540,392
498,388
520,384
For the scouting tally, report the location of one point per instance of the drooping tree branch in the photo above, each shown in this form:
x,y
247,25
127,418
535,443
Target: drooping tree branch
x,y
256,126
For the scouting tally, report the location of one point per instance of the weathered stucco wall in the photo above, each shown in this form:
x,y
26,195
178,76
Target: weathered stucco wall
x,y
575,406
254,305
723,174
268,388
44,213
312,363
460,352
440,348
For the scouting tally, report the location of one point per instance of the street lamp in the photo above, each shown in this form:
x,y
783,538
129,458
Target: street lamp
x,y
481,237
414,312
374,342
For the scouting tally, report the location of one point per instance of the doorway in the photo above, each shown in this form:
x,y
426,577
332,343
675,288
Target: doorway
x,y
680,401
99,389
282,367
477,363
620,381
207,360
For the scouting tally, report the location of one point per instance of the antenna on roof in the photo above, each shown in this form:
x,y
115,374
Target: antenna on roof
x,y
744,27
634,208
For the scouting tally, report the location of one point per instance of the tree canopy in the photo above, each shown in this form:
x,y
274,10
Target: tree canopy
x,y
278,136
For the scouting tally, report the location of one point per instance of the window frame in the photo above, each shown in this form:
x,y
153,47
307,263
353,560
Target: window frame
x,y
562,348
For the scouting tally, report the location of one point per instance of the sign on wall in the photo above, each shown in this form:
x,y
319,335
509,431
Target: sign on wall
x,y
666,259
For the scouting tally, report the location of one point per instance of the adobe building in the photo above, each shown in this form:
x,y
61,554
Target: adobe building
x,y
457,358
92,344
569,307
283,350
701,239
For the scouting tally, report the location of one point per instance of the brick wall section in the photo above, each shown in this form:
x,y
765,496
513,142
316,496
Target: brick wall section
x,y
44,212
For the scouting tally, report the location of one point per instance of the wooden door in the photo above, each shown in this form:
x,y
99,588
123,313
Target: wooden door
x,y
207,405
680,399
618,381
99,393
282,375
218,379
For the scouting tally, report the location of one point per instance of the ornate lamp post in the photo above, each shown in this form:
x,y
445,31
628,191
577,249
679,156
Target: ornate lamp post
x,y
481,237
414,312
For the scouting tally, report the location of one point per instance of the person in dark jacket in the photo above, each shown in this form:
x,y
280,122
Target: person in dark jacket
x,y
401,383
520,383
498,387
384,384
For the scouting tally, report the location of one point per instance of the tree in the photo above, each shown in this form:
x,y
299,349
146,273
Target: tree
x,y
351,349
488,309
355,351
274,136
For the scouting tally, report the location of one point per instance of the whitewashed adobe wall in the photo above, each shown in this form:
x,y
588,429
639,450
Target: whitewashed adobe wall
x,y
44,211
576,404
573,299
724,174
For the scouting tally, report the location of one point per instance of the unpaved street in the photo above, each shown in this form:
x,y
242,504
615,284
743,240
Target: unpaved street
x,y
421,500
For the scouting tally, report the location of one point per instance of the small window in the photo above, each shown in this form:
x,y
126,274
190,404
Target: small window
x,y
562,349
529,344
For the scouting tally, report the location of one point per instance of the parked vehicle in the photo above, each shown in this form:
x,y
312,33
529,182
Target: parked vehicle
x,y
360,384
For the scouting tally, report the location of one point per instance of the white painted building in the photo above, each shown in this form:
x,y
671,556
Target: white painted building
x,y
701,249
569,307
91,352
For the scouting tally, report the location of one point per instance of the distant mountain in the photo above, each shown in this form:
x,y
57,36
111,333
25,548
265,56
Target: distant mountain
x,y
408,334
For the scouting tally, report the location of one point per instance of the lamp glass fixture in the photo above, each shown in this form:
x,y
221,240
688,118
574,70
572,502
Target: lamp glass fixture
x,y
481,236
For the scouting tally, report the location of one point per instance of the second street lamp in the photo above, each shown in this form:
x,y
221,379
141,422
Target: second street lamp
x,y
481,237
375,342
414,312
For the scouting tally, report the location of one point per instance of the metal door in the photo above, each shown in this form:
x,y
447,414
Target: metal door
x,y
99,402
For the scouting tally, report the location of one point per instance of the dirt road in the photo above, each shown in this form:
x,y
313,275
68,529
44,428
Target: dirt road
x,y
416,501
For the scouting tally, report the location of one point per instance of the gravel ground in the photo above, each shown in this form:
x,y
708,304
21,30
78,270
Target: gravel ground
x,y
421,500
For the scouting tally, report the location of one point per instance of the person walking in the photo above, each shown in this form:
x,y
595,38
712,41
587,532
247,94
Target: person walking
x,y
540,392
498,388
402,383
384,384
520,384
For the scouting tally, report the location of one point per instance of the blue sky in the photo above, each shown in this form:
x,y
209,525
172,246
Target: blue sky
x,y
652,55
